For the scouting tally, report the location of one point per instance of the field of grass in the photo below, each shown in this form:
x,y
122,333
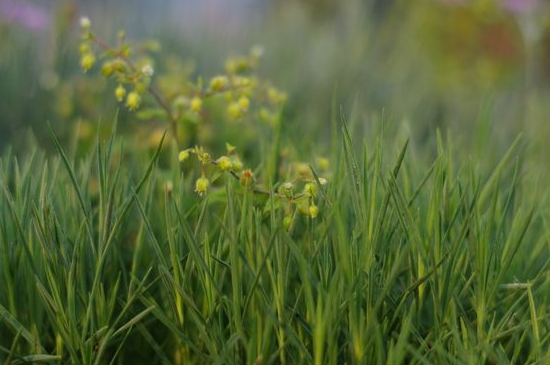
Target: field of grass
x,y
224,221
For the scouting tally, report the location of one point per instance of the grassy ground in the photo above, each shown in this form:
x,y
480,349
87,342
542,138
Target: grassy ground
x,y
410,260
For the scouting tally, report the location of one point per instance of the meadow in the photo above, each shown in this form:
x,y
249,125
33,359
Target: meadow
x,y
280,203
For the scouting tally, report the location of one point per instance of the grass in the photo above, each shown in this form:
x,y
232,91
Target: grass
x,y
409,261
425,246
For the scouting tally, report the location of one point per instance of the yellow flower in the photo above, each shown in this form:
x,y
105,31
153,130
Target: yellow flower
x,y
310,189
107,69
236,164
196,104
133,100
120,92
224,163
218,83
230,148
313,211
244,103
322,163
234,110
87,61
201,185
204,157
275,96
84,48
183,155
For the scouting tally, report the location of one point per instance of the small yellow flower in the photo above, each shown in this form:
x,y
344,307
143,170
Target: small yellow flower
x,y
303,169
275,96
183,155
230,148
196,104
313,211
244,103
201,185
288,189
322,163
218,83
118,65
234,110
84,48
236,164
133,100
310,189
204,157
120,92
224,163
107,69
87,61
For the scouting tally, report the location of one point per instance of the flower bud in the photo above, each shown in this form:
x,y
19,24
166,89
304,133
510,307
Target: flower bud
x,y
201,185
224,163
313,211
133,100
87,61
196,104
120,93
247,178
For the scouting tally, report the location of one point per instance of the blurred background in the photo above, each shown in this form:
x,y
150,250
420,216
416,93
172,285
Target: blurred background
x,y
477,69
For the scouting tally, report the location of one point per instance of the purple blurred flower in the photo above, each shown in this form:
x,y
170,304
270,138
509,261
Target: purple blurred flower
x,y
25,14
520,6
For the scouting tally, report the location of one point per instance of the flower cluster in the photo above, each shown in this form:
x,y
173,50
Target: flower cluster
x,y
133,78
193,109
301,194
229,163
236,95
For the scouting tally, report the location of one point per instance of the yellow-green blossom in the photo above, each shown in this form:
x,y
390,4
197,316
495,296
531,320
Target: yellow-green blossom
x,y
183,155
244,103
236,164
218,83
204,157
195,104
322,163
201,185
230,148
120,92
87,61
107,69
310,189
313,211
84,48
234,110
224,163
133,100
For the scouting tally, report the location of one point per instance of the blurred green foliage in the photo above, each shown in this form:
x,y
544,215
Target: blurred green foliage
x,y
425,64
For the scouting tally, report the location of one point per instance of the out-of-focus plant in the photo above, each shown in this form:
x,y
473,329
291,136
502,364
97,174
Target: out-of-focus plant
x,y
200,116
